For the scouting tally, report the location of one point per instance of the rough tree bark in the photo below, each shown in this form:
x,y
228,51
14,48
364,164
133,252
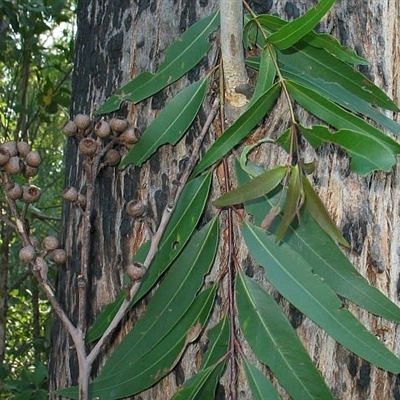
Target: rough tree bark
x,y
119,39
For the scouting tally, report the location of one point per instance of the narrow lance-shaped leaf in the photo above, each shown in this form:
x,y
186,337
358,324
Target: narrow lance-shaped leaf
x,y
239,129
341,96
170,124
323,256
254,188
180,57
317,209
266,75
367,153
203,384
271,23
296,281
294,199
335,115
275,343
184,220
293,31
260,386
185,217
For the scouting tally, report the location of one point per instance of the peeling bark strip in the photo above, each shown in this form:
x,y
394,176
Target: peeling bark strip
x,y
119,39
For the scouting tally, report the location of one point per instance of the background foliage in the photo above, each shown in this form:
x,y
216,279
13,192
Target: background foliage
x,y
35,66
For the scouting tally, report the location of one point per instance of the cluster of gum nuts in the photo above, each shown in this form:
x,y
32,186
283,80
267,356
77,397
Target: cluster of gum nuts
x,y
18,158
92,137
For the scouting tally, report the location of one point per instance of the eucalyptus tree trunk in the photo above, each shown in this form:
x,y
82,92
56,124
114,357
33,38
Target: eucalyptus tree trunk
x,y
119,39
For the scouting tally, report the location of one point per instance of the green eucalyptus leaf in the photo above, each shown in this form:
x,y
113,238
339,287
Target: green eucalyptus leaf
x,y
293,31
184,220
170,124
203,384
275,343
335,115
260,386
292,276
310,241
367,153
180,57
254,188
272,23
323,67
294,199
239,129
266,75
340,95
317,210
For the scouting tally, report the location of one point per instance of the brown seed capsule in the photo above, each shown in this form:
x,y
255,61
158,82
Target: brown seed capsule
x,y
118,124
13,190
11,146
27,254
69,129
130,135
135,208
33,159
23,148
30,194
4,156
102,129
50,243
59,256
112,158
88,146
13,166
82,121
29,172
70,194
135,271
42,267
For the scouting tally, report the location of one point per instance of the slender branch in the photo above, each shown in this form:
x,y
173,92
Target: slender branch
x,y
157,236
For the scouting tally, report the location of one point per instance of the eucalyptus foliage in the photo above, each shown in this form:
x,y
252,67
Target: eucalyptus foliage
x,y
287,228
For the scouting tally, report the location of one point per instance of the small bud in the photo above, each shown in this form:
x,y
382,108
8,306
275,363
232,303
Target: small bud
x,y
135,271
33,159
135,208
13,166
118,124
27,254
69,129
13,190
50,243
30,194
23,148
70,194
112,158
11,146
59,256
82,121
102,129
88,146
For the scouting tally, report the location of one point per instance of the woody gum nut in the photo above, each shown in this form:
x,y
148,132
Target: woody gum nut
x,y
88,146
13,166
13,190
27,254
33,159
11,147
70,194
23,148
30,194
102,129
69,129
4,156
118,124
59,256
82,121
50,243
